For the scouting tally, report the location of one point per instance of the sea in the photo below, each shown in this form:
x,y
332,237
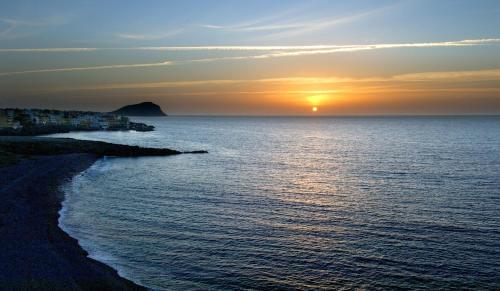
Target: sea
x,y
295,203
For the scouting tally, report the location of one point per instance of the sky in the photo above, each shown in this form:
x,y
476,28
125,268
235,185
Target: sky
x,y
260,57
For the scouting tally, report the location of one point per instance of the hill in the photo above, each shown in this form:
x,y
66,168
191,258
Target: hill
x,y
141,109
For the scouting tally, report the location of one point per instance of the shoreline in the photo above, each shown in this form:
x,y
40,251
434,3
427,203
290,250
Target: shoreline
x,y
36,253
62,212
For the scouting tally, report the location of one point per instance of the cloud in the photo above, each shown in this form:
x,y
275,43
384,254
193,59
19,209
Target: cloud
x,y
296,27
480,75
355,48
304,49
174,48
164,35
277,26
15,25
166,63
270,52
47,50
269,22
12,25
301,28
446,76
318,50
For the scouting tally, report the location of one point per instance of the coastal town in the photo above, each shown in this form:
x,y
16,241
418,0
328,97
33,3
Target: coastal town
x,y
43,121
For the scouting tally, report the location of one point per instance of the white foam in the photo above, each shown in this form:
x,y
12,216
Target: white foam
x,y
70,190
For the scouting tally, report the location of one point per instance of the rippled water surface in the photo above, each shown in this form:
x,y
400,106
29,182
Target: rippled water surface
x,y
297,203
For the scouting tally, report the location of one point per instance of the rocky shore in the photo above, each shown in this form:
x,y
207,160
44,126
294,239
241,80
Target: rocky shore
x,y
35,252
58,146
52,129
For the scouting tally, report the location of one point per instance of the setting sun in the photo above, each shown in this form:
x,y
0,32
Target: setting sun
x,y
314,109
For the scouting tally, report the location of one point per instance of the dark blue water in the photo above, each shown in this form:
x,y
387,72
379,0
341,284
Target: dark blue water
x,y
298,203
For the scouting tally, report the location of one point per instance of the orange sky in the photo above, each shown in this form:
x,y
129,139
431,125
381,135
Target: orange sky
x,y
343,58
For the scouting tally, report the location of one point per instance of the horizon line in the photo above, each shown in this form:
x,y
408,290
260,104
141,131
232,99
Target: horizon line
x,y
307,115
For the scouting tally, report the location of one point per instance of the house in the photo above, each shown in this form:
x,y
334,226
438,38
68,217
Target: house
x,y
16,125
33,116
36,119
118,121
11,113
54,119
44,118
103,124
8,119
4,122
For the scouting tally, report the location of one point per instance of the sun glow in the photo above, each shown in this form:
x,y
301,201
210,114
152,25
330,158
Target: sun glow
x,y
315,99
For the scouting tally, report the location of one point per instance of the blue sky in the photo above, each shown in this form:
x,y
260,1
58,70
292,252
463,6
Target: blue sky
x,y
118,44
107,23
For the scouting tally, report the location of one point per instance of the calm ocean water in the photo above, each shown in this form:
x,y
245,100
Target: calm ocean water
x,y
297,203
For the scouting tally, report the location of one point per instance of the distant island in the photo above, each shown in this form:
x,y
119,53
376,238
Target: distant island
x,y
14,121
141,109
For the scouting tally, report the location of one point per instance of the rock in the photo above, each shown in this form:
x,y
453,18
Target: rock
x,y
141,109
140,127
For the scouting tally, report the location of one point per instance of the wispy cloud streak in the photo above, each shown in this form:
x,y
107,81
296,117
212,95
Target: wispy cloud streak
x,y
164,35
166,63
48,50
173,48
271,52
280,28
355,48
13,25
467,42
472,76
301,28
270,22
10,26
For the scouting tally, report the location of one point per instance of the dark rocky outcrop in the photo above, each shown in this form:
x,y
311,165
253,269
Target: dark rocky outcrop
x,y
52,129
141,109
58,146
140,127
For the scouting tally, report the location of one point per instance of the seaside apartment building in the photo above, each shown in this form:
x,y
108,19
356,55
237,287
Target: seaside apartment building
x,y
3,119
8,119
17,119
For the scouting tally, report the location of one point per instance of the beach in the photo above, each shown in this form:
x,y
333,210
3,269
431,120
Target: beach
x,y
36,253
